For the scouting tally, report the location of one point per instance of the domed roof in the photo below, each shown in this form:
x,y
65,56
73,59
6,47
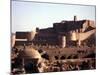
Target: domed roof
x,y
28,53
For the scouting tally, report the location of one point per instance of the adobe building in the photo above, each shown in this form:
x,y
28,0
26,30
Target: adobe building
x,y
66,33
21,38
63,34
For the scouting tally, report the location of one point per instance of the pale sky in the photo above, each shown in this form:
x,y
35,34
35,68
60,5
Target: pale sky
x,y
26,16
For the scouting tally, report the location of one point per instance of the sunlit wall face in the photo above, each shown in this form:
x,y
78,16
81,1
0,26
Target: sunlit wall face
x,y
13,37
74,36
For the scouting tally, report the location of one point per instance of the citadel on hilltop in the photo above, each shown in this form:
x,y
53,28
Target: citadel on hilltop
x,y
63,34
67,46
